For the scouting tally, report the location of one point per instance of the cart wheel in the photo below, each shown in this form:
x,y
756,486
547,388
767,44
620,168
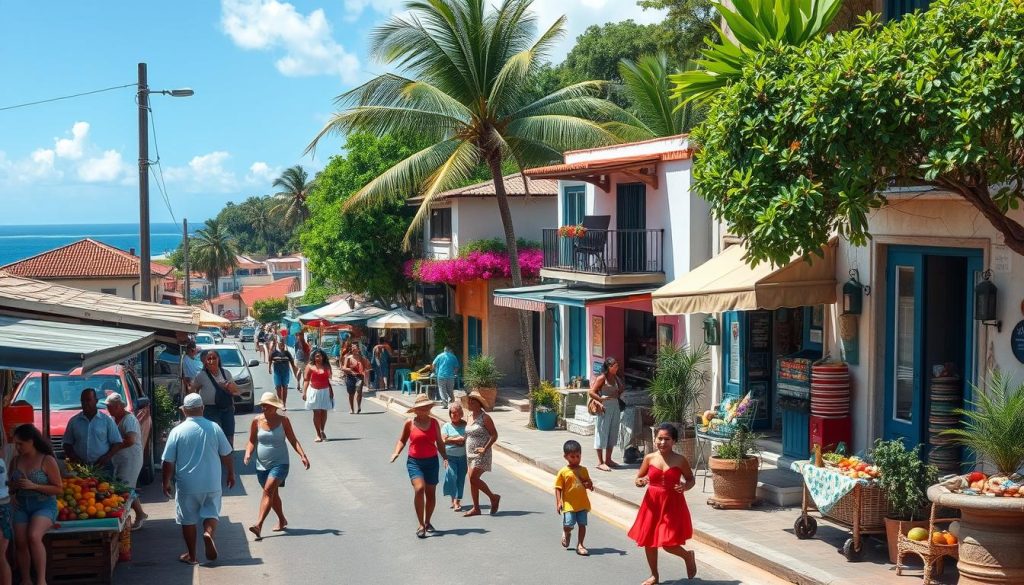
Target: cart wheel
x,y
852,554
805,527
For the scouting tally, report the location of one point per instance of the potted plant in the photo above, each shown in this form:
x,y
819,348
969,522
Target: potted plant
x,y
482,374
734,471
991,539
680,379
545,403
904,479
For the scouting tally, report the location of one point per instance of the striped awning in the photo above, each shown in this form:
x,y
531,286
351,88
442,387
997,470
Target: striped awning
x,y
520,303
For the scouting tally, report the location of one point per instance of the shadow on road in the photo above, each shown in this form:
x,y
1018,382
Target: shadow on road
x,y
515,513
303,532
461,531
330,440
597,552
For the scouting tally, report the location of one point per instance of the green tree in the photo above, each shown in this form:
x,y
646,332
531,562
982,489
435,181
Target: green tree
x,y
295,187
260,220
687,22
213,251
269,310
469,89
645,83
805,142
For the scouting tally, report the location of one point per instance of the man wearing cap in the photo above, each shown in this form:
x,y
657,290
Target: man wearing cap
x,y
196,453
446,366
128,459
92,436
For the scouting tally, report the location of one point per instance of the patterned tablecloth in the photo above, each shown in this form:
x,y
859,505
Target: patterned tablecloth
x,y
826,486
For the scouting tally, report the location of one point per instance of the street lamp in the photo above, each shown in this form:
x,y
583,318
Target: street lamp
x,y
145,276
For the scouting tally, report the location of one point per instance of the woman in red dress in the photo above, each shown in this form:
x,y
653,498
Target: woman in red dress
x,y
664,520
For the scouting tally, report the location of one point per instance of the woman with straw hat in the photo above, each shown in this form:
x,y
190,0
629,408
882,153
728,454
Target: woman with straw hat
x,y
268,436
423,434
480,437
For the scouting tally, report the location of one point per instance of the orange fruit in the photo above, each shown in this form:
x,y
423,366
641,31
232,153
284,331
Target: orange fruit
x,y
104,487
92,510
938,538
950,539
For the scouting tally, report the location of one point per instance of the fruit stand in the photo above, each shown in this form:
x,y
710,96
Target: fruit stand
x,y
848,498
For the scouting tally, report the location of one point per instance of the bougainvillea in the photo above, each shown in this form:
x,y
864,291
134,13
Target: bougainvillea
x,y
483,265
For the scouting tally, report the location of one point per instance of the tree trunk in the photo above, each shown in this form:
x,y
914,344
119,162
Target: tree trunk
x,y
980,197
525,326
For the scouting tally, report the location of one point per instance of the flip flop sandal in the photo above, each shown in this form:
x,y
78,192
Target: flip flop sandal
x,y
184,559
430,529
210,547
421,533
582,551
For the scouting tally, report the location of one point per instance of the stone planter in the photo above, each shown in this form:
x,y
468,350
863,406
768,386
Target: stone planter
x,y
735,482
892,529
991,539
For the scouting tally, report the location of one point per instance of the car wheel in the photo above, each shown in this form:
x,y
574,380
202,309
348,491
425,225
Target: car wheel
x,y
147,475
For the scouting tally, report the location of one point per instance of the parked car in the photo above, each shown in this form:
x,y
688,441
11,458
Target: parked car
x,y
247,334
232,360
66,402
204,338
218,335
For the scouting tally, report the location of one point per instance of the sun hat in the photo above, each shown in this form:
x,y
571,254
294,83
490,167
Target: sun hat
x,y
479,397
114,398
192,401
271,399
421,401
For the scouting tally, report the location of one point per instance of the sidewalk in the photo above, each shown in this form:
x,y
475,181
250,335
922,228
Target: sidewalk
x,y
762,536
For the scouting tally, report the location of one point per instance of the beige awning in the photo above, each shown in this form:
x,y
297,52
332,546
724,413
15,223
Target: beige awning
x,y
728,283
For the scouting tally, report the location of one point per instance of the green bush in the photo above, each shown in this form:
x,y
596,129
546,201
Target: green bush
x,y
448,333
269,310
904,478
494,245
679,382
481,372
165,412
741,445
544,398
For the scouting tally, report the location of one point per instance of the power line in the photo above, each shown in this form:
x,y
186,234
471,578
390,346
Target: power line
x,y
159,179
66,97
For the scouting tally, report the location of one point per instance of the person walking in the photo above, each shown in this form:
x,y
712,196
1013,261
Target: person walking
x,y
36,482
261,341
424,437
356,370
480,437
604,394
453,434
128,459
382,364
281,361
197,453
302,351
218,389
571,500
269,436
91,436
321,398
446,366
663,520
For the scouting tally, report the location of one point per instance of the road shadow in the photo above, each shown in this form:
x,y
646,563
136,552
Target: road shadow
x,y
303,532
598,552
461,531
334,440
514,513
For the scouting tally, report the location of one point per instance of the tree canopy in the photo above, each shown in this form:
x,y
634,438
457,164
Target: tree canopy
x,y
269,310
805,142
687,22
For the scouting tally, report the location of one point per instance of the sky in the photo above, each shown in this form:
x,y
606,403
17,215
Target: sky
x,y
265,74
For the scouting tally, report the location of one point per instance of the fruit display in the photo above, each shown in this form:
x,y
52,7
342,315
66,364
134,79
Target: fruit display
x,y
856,468
87,496
977,483
918,534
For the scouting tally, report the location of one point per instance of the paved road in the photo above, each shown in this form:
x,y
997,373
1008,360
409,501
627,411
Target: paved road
x,y
351,521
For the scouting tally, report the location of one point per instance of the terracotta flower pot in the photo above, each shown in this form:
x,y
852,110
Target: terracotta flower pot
x,y
991,539
735,482
892,529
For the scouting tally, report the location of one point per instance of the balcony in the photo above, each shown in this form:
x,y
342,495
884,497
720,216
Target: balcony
x,y
605,257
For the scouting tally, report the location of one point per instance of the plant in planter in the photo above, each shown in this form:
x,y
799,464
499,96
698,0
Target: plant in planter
x,y
482,374
545,403
734,471
680,379
904,478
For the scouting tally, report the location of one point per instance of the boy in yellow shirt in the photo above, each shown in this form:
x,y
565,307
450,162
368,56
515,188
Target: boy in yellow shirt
x,y
571,500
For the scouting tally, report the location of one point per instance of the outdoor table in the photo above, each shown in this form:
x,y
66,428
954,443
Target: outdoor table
x,y
570,399
80,551
856,504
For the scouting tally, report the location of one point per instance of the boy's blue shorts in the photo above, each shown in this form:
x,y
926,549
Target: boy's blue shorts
x,y
570,519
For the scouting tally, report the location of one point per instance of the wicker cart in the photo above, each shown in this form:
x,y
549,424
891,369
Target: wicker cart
x,y
862,511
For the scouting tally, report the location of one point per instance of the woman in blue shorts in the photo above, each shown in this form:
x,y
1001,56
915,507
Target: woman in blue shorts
x,y
36,481
282,364
269,436
424,437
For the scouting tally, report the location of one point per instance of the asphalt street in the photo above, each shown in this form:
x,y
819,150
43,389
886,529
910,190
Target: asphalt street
x,y
350,520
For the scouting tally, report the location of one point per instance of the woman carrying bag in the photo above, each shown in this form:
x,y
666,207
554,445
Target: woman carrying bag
x,y
605,402
218,390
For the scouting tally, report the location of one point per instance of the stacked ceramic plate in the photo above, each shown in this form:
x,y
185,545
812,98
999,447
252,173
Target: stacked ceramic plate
x,y
830,390
945,395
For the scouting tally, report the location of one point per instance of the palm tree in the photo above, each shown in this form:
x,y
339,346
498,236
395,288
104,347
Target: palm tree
x,y
258,212
469,91
296,186
646,84
214,251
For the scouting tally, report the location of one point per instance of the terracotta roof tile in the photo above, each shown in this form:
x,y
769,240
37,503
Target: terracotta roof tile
x,y
607,164
273,290
86,258
514,187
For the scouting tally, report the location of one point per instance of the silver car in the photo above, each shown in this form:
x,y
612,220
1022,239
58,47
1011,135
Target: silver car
x,y
232,360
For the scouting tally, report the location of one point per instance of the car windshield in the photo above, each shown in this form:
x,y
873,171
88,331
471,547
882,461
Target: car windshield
x,y
204,338
248,331
66,391
230,358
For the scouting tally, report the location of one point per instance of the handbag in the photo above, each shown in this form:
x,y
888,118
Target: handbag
x,y
221,398
594,406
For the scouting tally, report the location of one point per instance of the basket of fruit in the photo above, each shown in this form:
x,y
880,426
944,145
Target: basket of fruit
x,y
90,497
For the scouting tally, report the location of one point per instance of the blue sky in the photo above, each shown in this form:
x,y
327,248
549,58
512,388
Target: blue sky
x,y
265,73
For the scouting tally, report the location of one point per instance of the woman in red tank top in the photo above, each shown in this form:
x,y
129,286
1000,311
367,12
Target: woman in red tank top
x,y
318,393
424,437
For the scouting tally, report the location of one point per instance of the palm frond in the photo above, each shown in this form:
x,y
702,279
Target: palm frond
x,y
993,426
561,132
405,178
647,87
459,167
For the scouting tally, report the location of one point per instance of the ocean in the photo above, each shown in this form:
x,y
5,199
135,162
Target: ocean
x,y
21,241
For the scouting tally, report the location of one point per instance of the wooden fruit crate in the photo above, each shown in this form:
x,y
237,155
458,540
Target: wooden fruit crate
x,y
81,557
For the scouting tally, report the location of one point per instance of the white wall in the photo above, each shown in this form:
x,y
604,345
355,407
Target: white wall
x,y
477,218
127,288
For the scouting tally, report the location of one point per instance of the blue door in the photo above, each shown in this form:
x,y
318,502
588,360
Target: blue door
x,y
475,346
578,342
733,365
904,316
556,361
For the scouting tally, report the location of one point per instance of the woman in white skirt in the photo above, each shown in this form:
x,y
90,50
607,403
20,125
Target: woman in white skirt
x,y
319,398
606,390
128,458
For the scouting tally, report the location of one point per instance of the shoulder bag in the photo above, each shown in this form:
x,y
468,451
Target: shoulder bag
x,y
222,398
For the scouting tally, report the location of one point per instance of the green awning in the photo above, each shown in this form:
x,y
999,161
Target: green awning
x,y
58,348
536,298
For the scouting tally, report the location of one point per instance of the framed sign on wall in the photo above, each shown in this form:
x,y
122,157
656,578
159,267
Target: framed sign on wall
x,y
597,335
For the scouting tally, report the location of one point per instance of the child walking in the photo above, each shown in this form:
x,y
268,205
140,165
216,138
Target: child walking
x,y
663,520
571,500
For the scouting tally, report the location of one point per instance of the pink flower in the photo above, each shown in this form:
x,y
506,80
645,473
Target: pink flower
x,y
475,265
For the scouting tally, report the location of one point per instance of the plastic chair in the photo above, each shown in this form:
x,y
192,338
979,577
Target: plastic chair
x,y
403,380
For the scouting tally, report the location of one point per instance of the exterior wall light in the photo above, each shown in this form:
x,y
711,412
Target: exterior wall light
x,y
853,292
985,307
711,335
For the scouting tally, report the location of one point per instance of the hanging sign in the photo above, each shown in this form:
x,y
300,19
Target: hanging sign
x,y
1017,342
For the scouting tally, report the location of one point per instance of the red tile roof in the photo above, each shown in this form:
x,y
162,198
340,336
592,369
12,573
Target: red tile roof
x,y
273,290
514,187
82,259
606,165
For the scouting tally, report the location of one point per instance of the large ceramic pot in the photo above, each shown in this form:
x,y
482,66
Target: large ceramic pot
x,y
546,419
991,538
892,530
735,482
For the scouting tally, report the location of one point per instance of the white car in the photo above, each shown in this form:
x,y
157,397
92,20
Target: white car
x,y
204,338
232,360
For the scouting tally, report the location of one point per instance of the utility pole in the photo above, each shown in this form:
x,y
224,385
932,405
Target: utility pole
x,y
188,280
146,272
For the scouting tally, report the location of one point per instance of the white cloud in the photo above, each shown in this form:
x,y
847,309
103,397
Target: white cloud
x,y
262,173
307,42
110,166
72,147
204,173
355,8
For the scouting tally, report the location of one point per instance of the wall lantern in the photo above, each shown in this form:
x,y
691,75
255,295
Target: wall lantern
x,y
985,302
853,292
711,336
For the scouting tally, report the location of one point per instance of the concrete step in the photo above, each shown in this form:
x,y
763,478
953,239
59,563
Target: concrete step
x,y
520,404
779,486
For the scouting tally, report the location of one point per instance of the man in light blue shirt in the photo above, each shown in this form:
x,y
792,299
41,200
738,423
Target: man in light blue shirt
x,y
91,436
190,366
445,367
196,452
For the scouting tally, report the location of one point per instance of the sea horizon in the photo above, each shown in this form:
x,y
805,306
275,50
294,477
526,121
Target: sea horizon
x,y
18,242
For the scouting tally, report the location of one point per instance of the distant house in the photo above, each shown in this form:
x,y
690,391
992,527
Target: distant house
x,y
91,265
236,305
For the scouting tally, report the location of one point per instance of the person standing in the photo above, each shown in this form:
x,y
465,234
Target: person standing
x,y
453,434
196,455
480,437
302,351
269,435
446,367
280,361
605,392
320,398
128,459
91,436
35,478
218,390
382,364
261,340
191,365
424,437
571,500
356,370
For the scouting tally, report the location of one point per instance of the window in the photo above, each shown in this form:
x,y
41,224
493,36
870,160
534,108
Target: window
x,y
108,291
895,9
441,223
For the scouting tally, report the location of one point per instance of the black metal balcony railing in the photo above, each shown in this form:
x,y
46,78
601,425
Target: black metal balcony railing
x,y
605,252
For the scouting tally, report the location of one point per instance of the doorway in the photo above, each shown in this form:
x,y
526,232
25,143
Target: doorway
x,y
630,223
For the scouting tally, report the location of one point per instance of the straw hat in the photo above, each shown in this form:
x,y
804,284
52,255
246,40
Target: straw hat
x,y
270,398
421,401
480,398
